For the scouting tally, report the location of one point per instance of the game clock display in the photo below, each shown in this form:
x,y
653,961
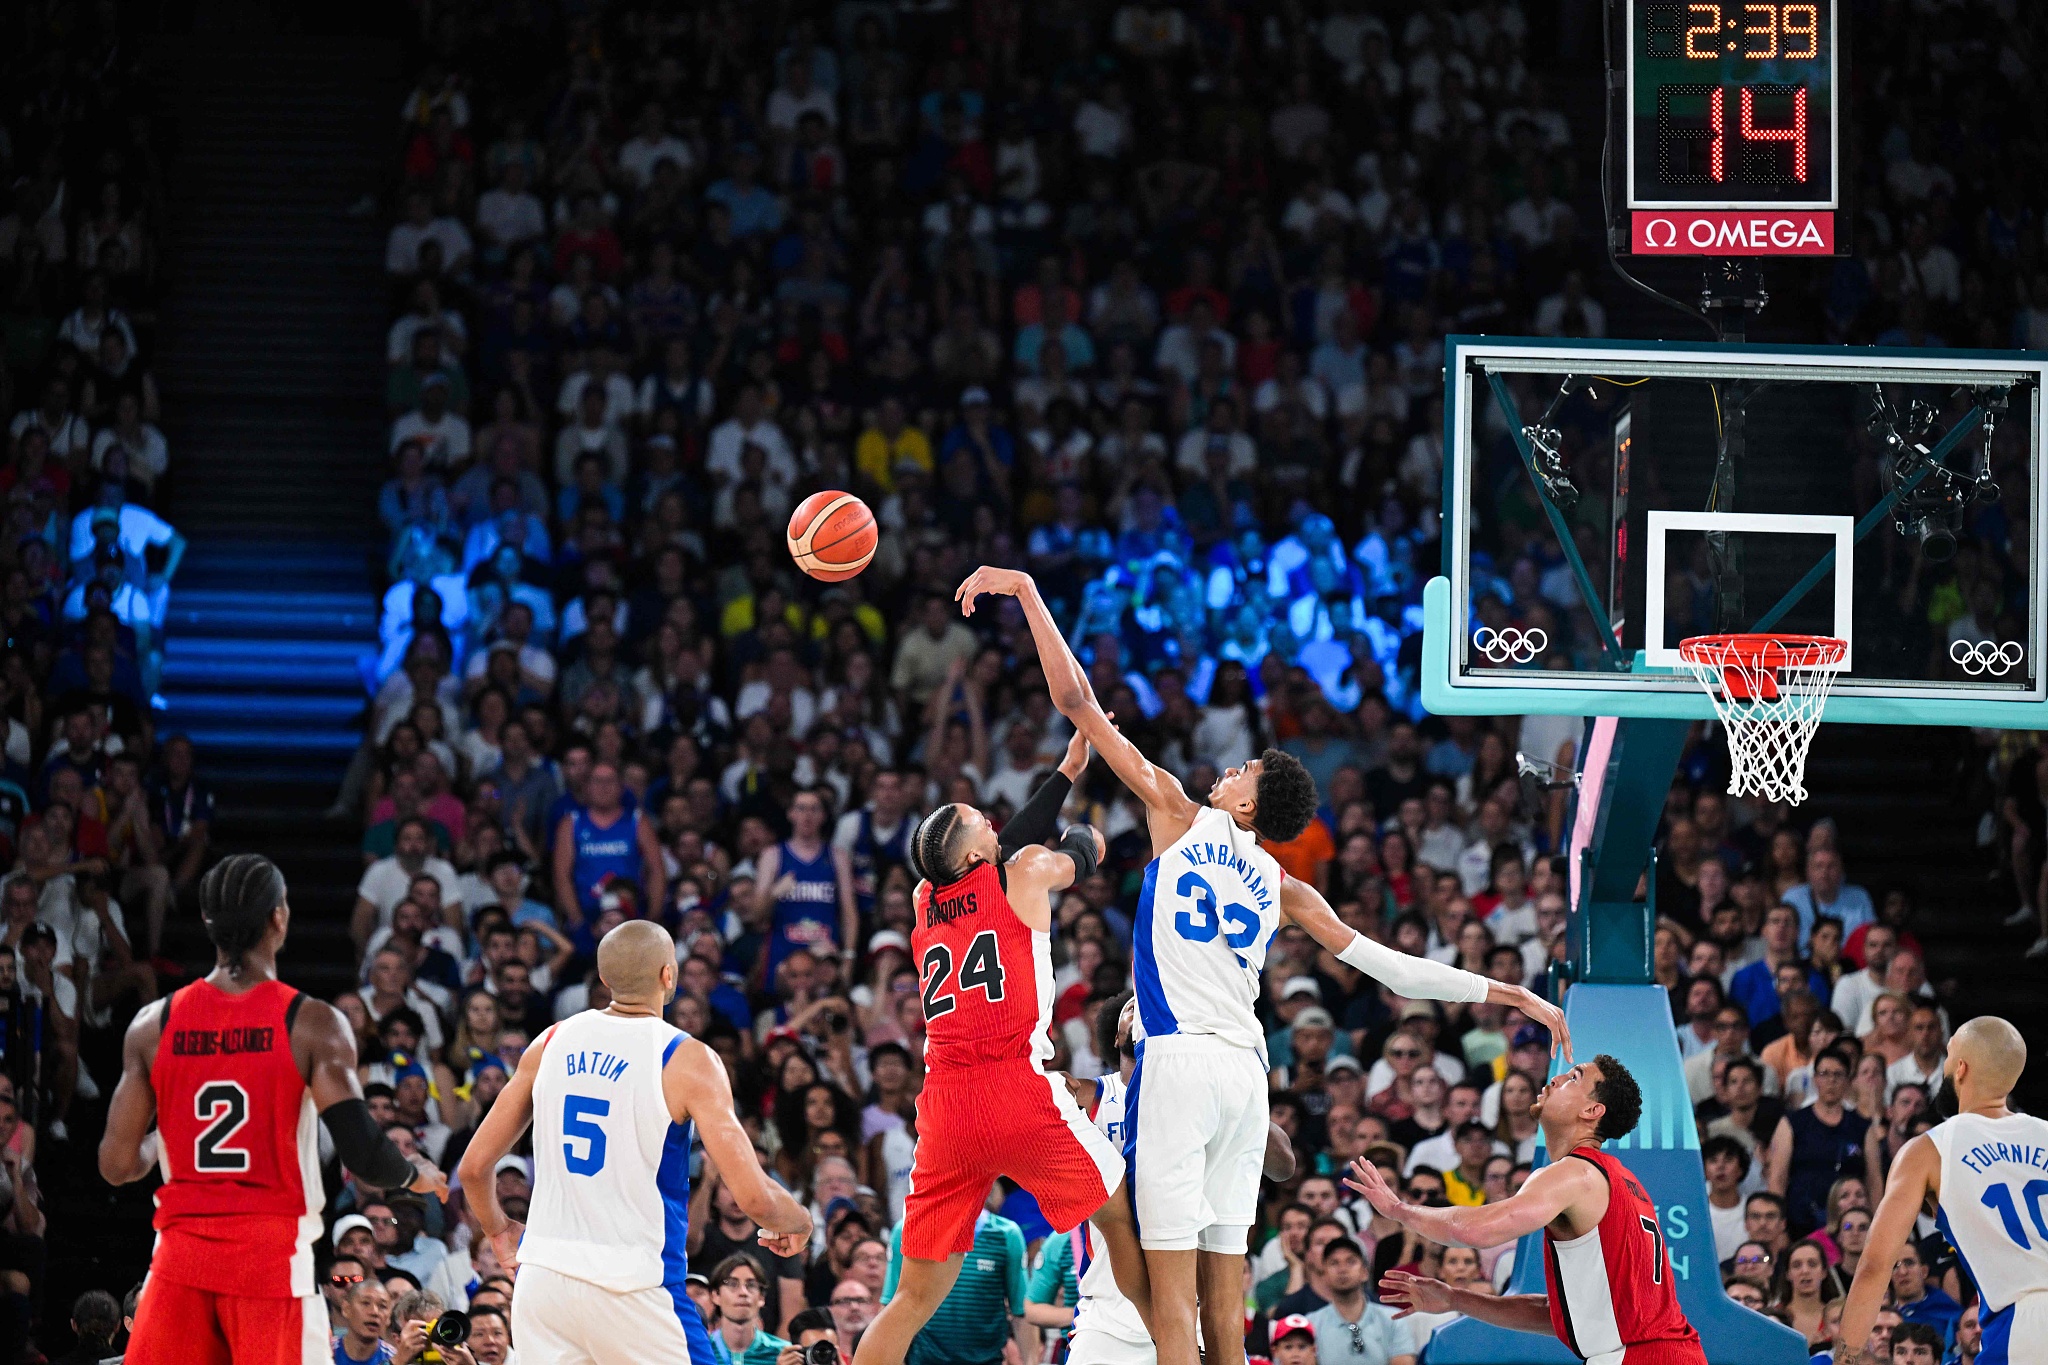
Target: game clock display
x,y
1732,116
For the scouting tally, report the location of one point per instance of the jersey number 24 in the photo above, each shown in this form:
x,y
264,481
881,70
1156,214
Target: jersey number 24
x,y
980,969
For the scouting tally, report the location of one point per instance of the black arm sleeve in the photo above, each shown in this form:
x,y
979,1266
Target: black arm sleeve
x,y
364,1149
1033,822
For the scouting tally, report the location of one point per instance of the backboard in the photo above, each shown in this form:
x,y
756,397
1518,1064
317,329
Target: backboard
x,y
1604,502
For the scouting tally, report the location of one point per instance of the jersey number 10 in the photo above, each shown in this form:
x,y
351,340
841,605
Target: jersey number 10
x,y
1998,1198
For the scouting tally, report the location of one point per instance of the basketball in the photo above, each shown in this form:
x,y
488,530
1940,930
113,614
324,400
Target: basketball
x,y
832,536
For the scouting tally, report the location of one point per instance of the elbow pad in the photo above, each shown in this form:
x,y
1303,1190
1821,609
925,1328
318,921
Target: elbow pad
x,y
364,1149
1415,978
1078,843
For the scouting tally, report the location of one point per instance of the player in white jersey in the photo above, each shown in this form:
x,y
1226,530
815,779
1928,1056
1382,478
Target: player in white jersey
x,y
1986,1173
612,1096
1212,901
1107,1329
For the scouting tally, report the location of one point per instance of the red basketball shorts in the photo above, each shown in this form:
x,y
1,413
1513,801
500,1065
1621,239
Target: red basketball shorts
x,y
1006,1120
179,1325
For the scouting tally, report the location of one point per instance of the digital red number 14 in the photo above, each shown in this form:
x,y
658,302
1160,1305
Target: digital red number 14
x,y
1715,133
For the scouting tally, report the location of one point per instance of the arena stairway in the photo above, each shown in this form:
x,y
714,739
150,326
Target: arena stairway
x,y
269,363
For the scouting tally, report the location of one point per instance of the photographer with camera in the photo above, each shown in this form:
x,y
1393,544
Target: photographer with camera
x,y
815,1340
428,1334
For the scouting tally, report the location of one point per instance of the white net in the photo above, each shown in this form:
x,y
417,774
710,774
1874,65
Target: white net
x,y
1769,691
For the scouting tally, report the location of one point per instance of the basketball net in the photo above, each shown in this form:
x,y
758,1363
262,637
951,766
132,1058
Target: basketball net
x,y
1769,691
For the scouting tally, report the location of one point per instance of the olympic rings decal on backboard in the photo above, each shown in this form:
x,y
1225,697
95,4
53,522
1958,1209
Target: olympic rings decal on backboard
x,y
1510,644
1979,657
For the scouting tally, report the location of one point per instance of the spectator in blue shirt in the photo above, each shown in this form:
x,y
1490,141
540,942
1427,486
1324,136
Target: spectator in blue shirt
x,y
1755,987
754,209
1918,1301
1078,345
977,438
1825,892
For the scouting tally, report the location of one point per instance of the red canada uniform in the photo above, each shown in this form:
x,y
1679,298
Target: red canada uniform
x,y
988,1109
1611,1293
239,1211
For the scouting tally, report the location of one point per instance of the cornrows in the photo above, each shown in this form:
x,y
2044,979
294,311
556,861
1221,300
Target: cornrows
x,y
928,845
235,900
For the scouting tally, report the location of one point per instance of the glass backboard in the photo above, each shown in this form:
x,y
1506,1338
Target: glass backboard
x,y
1602,503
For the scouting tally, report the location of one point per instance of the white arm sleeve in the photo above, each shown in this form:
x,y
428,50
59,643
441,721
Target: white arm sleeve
x,y
1415,978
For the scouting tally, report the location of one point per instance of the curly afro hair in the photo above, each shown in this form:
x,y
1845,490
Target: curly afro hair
x,y
1616,1089
1286,798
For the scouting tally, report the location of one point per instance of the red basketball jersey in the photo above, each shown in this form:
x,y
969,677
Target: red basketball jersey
x,y
239,1210
987,975
1612,1287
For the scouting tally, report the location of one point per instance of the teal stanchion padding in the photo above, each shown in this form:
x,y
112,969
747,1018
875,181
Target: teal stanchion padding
x,y
1633,1023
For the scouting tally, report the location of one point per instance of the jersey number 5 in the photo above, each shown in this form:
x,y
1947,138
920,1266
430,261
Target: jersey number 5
x,y
981,969
1656,1247
223,1107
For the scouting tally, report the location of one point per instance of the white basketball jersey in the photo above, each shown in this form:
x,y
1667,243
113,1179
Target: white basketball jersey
x,y
1209,908
611,1186
1994,1202
1103,1308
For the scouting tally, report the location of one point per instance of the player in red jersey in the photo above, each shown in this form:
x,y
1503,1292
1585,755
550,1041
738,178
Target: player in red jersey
x,y
234,1068
983,944
1610,1294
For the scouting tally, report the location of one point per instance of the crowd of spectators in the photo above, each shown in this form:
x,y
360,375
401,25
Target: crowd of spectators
x,y
103,826
1147,299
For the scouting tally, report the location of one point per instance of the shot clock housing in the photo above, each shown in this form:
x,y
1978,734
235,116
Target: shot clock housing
x,y
1730,127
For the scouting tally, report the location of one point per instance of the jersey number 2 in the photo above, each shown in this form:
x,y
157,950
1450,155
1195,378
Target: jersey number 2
x,y
223,1107
982,968
1656,1247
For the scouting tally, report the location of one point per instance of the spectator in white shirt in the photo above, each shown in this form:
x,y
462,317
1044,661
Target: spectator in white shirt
x,y
1180,346
1571,312
1318,204
402,248
797,96
1928,267
510,214
64,429
1538,219
387,881
1102,125
652,144
444,434
748,425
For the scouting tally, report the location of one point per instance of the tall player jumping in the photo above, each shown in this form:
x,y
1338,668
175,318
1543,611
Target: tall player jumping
x,y
1610,1296
1212,899
234,1067
1985,1171
612,1095
982,940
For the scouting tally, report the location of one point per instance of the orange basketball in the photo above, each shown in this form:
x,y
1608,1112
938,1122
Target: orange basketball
x,y
832,536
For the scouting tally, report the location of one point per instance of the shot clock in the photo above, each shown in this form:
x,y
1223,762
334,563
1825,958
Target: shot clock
x,y
1732,132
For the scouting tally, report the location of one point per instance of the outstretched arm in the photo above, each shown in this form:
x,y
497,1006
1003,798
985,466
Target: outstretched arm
x,y
1416,978
1916,1172
1419,1294
1166,803
696,1087
1541,1199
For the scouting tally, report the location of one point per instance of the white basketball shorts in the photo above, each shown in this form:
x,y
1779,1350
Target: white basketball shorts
x,y
558,1319
1196,1134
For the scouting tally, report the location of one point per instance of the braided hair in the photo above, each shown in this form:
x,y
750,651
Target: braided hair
x,y
235,900
931,846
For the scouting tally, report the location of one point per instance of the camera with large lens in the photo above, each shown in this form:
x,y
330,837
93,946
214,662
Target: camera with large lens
x,y
821,1353
450,1329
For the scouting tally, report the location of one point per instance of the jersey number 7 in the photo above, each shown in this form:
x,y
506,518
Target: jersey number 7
x,y
1656,1247
981,969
